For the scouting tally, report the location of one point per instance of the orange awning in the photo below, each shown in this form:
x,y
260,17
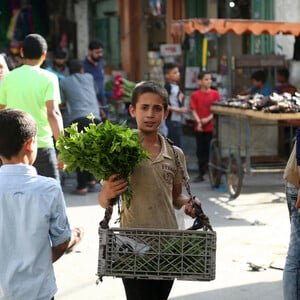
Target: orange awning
x,y
237,26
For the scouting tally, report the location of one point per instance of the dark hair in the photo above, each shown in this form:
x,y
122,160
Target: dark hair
x,y
259,76
202,74
75,65
16,127
34,45
60,53
149,87
284,72
95,44
168,67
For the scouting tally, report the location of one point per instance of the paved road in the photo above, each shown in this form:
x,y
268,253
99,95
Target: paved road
x,y
253,228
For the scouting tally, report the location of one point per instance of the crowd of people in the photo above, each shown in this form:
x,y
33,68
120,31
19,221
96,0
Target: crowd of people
x,y
34,230
31,194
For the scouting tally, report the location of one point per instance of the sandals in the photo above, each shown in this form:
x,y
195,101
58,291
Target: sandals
x,y
91,188
81,192
77,236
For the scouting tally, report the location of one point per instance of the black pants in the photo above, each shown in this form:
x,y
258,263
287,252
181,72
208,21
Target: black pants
x,y
46,163
140,289
83,177
202,150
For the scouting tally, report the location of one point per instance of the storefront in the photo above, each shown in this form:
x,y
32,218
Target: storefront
x,y
51,18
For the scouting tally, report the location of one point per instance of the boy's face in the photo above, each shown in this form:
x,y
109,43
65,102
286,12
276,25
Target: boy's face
x,y
206,81
256,83
280,78
173,75
149,112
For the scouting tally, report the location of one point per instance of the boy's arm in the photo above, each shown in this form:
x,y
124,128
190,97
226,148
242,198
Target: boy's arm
x,y
54,118
180,199
181,110
197,120
59,250
207,119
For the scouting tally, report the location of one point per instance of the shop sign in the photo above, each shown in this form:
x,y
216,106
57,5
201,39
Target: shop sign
x,y
170,49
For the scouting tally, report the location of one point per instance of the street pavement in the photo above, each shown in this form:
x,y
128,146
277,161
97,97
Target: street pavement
x,y
251,230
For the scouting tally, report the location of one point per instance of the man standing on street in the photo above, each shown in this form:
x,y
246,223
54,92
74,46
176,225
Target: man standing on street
x,y
94,65
36,91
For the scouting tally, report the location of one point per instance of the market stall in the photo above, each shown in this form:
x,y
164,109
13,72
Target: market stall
x,y
231,152
233,155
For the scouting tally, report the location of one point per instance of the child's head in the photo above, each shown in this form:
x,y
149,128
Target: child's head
x,y
149,106
34,46
171,72
75,66
16,129
283,75
149,87
205,80
258,78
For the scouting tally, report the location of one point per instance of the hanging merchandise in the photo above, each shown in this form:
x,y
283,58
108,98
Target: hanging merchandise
x,y
12,24
24,25
5,16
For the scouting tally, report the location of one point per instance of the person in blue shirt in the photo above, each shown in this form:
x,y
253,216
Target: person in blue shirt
x,y
34,227
259,85
59,66
93,64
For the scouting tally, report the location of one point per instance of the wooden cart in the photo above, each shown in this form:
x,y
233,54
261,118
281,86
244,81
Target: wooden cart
x,y
230,152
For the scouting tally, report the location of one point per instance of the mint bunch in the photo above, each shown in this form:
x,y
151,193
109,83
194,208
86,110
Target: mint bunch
x,y
102,149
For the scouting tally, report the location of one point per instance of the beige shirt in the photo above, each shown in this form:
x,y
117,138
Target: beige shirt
x,y
152,184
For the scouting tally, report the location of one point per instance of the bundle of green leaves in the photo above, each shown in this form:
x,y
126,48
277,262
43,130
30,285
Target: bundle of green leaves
x,y
102,149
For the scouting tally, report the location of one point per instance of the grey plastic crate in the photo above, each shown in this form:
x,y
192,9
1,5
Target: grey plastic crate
x,y
157,254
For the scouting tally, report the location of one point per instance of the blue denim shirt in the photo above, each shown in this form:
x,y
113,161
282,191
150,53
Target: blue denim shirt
x,y
32,220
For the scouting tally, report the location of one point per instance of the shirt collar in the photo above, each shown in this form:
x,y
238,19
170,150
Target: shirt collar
x,y
12,169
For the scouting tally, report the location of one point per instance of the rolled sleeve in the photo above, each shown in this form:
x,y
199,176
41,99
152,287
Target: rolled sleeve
x,y
59,231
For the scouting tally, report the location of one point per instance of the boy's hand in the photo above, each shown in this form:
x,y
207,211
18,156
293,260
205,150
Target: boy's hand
x,y
190,210
183,109
199,127
60,164
111,189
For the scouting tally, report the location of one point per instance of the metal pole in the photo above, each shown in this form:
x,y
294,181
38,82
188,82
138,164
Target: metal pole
x,y
229,54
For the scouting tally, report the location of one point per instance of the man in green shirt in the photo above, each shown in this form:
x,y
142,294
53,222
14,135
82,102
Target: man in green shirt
x,y
36,91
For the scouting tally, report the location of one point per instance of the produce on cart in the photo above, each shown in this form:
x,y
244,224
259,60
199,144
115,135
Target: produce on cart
x,y
275,103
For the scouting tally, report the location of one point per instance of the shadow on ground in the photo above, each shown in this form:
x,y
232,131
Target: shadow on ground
x,y
242,292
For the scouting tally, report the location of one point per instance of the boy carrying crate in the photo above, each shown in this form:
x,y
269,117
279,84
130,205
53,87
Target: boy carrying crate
x,y
156,183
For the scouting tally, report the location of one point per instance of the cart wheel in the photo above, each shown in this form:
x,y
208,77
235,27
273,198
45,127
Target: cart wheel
x,y
214,164
234,175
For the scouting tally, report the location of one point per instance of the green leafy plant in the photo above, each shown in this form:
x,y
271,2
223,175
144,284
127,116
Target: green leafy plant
x,y
102,149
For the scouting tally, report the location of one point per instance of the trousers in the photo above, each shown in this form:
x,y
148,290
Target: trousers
x,y
145,289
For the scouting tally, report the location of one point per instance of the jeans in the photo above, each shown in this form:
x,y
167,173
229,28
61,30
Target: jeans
x,y
46,163
291,273
175,132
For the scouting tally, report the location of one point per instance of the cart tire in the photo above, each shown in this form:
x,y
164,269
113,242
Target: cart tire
x,y
214,164
235,174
